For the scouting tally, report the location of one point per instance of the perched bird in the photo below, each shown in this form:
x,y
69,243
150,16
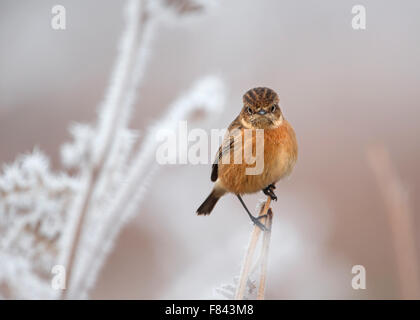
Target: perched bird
x,y
260,111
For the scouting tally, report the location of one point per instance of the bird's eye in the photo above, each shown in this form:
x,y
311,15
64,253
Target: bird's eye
x,y
249,110
273,108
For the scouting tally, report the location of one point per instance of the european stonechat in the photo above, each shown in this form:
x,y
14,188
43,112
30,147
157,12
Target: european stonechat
x,y
260,112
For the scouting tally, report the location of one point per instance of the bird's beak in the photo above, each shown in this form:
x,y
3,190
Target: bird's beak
x,y
262,112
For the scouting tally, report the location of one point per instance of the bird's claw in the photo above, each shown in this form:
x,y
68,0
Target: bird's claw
x,y
261,216
269,192
256,221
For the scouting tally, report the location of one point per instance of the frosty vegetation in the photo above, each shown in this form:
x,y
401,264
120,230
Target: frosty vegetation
x,y
48,218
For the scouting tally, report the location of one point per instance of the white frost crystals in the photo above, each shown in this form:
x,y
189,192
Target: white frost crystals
x,y
49,219
33,208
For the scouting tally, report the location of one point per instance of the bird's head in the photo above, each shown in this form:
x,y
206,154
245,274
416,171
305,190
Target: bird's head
x,y
261,109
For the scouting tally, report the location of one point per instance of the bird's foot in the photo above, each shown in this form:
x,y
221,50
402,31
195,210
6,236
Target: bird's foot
x,y
262,216
269,192
257,222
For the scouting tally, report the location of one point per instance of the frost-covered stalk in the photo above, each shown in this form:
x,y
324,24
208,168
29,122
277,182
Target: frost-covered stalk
x,y
48,219
139,170
206,94
264,255
114,116
243,287
246,267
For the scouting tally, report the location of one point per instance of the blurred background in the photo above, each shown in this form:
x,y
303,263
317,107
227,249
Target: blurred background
x,y
343,90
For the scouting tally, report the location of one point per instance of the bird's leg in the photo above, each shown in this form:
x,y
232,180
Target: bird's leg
x,y
268,191
255,220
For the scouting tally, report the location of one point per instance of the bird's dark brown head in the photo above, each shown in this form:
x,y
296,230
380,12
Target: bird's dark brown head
x,y
261,109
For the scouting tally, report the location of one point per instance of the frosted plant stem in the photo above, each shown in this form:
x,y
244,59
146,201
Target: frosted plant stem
x,y
78,231
107,128
264,257
246,267
73,219
202,95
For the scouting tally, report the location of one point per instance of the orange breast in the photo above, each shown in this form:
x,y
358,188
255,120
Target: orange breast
x,y
280,155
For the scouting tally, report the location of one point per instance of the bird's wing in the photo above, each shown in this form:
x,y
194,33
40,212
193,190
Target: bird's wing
x,y
229,143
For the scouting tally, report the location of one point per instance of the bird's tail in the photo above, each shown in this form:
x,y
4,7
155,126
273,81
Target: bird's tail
x,y
209,203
